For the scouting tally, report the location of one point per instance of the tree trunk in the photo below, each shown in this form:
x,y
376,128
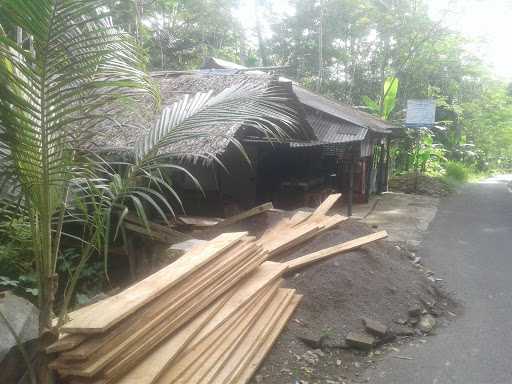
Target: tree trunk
x,y
261,43
320,49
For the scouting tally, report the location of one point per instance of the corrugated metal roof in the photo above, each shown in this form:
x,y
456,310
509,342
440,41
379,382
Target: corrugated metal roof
x,y
340,110
330,130
334,131
321,103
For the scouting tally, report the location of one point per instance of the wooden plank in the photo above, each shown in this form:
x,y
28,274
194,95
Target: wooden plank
x,y
199,221
133,346
303,261
299,217
196,353
254,340
238,352
154,363
246,373
208,362
268,273
157,232
328,223
244,215
286,223
101,316
137,324
326,205
149,370
66,342
120,367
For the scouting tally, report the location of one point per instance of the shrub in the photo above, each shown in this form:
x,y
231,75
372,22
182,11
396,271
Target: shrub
x,y
456,171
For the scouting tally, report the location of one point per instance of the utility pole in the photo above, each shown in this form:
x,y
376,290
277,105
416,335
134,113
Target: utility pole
x,y
320,47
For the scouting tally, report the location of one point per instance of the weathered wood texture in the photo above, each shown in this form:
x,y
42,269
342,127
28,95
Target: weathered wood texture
x,y
305,260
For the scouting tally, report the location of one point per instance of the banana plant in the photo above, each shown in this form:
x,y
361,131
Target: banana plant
x,y
387,102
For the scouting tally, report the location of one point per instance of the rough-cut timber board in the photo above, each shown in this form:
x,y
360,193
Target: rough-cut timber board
x,y
237,354
298,218
149,369
268,273
248,371
203,299
327,223
99,317
331,251
136,347
145,319
326,205
292,235
255,338
199,221
244,215
172,300
157,232
66,342
193,355
285,223
210,362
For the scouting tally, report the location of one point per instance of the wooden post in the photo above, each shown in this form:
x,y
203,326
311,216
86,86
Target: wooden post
x,y
380,172
386,169
368,178
350,187
416,163
19,36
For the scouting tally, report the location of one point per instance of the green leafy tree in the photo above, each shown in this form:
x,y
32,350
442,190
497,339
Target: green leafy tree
x,y
487,123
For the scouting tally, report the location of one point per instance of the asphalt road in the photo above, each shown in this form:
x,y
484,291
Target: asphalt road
x,y
469,245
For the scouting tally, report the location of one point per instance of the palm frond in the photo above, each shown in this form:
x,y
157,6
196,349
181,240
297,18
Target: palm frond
x,y
195,117
51,97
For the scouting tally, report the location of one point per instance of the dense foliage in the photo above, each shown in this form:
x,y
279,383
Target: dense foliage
x,y
363,44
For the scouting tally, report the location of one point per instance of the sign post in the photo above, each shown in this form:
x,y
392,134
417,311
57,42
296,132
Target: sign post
x,y
421,113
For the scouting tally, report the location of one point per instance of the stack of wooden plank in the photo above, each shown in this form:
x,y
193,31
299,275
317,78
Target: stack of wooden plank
x,y
302,226
210,317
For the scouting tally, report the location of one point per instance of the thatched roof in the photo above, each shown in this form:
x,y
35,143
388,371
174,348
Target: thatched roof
x,y
131,120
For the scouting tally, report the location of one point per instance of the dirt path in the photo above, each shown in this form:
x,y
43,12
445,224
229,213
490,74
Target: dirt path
x,y
405,217
470,245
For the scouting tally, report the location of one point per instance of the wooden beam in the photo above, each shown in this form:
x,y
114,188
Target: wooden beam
x,y
244,215
326,205
303,261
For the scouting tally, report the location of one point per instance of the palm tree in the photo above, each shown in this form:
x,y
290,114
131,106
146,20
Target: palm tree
x,y
53,94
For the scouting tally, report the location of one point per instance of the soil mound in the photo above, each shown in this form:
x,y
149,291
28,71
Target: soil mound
x,y
378,282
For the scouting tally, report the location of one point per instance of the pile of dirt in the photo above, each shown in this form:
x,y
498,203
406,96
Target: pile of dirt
x,y
420,185
378,281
